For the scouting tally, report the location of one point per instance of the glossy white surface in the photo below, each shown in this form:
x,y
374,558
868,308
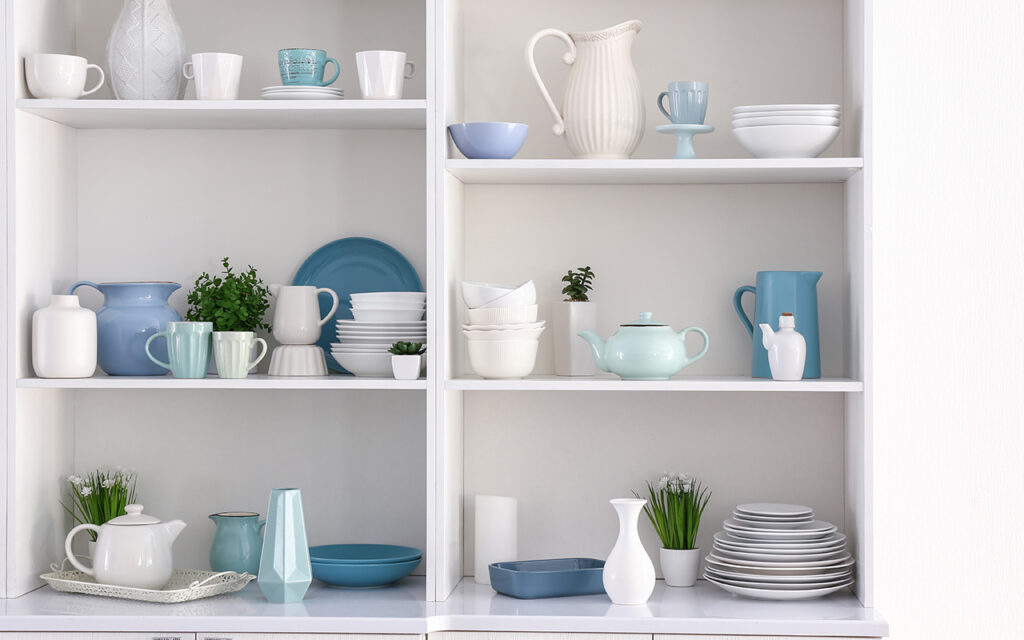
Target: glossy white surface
x,y
254,381
607,382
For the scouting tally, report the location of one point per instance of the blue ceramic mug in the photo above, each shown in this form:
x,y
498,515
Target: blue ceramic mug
x,y
188,348
305,67
687,102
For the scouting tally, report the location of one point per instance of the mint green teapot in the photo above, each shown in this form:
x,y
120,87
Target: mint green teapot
x,y
644,349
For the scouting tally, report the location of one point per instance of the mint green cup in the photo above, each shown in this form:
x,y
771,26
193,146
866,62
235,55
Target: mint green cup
x,y
232,351
188,348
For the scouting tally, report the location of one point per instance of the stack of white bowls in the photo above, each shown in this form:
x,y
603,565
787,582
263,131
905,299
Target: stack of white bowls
x,y
380,319
785,130
503,333
778,551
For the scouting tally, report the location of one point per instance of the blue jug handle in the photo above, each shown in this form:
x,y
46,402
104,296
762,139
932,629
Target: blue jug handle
x,y
80,283
737,302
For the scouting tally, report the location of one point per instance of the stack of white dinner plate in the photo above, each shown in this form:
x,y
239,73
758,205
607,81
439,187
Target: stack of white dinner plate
x,y
301,92
777,551
785,130
362,346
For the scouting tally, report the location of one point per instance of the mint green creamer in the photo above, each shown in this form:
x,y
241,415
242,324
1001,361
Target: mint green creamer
x,y
644,349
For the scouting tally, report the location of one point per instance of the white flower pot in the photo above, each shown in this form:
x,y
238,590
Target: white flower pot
x,y
573,356
406,367
680,566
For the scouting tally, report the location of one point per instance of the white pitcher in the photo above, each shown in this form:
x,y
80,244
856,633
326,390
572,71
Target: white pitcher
x,y
297,314
604,110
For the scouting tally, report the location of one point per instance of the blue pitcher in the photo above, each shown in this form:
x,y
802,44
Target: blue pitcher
x,y
237,544
132,311
779,292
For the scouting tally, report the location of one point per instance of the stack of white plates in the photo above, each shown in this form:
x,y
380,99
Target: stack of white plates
x,y
779,552
300,92
503,334
362,346
389,306
786,130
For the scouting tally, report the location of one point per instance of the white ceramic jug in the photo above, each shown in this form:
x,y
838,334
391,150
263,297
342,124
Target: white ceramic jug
x,y
787,349
604,110
297,314
628,572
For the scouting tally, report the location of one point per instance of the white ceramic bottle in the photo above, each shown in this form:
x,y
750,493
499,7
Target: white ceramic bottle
x,y
787,349
628,571
64,339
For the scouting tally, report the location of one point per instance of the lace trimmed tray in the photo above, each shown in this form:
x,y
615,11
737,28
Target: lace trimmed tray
x,y
184,585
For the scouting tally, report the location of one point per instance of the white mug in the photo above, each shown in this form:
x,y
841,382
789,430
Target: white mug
x,y
217,75
54,75
382,74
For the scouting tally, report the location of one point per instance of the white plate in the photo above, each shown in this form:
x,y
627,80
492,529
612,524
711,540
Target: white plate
x,y
808,518
380,334
784,107
362,331
390,341
300,95
796,527
765,120
774,509
364,323
764,524
784,570
302,87
791,579
770,594
390,296
837,559
779,557
827,113
802,531
783,551
835,538
780,586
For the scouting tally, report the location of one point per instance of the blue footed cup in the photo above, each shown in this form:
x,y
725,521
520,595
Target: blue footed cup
x,y
687,102
779,292
305,67
188,348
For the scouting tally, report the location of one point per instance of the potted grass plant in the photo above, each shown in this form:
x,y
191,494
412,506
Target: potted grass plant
x,y
675,506
573,356
99,496
406,360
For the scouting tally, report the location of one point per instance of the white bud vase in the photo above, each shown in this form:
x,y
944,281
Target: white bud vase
x,y
64,339
628,572
146,52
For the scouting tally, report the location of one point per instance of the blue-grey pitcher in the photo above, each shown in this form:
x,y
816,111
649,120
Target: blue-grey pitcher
x,y
237,544
779,292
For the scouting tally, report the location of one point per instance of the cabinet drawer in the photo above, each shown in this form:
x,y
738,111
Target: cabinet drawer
x,y
305,636
674,636
96,636
483,635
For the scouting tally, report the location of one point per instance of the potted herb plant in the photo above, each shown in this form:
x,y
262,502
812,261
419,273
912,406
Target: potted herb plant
x,y
98,497
235,303
573,356
406,360
674,507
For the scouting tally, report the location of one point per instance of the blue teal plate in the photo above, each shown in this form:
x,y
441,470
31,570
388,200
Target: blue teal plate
x,y
354,265
363,553
362,576
547,578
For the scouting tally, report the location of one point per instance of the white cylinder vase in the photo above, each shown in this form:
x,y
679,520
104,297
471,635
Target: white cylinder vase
x,y
680,566
496,534
64,339
573,356
146,52
628,571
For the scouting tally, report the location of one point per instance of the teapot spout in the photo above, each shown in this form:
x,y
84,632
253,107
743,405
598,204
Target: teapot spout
x,y
767,335
597,346
173,528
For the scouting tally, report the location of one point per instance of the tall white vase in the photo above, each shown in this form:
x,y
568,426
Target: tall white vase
x,y
146,52
628,571
64,339
573,356
604,110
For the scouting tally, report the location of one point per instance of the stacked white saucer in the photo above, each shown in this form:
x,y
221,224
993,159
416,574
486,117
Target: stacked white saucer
x,y
362,346
301,92
503,333
776,551
785,130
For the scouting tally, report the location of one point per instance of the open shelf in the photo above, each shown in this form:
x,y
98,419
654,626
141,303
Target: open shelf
x,y
718,171
231,114
693,383
254,381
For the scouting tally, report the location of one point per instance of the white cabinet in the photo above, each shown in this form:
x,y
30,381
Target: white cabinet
x,y
97,636
305,636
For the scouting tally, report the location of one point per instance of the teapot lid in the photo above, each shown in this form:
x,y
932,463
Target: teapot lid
x,y
133,516
644,320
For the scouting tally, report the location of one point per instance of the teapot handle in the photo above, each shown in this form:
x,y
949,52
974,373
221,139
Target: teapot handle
x,y
334,307
568,58
737,303
67,548
682,336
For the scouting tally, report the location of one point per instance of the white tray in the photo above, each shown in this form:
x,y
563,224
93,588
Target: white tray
x,y
184,585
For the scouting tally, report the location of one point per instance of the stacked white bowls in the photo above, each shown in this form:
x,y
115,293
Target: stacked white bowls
x,y
381,319
503,333
786,130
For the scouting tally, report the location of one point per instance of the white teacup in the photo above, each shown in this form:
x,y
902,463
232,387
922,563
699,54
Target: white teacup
x,y
217,75
382,74
54,75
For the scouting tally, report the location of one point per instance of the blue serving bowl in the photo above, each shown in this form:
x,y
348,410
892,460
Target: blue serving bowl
x,y
489,140
363,554
362,575
553,578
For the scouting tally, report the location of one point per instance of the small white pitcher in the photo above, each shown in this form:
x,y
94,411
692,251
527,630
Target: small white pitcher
x,y
297,315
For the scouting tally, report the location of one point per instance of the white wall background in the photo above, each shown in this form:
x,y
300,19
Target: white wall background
x,y
949,263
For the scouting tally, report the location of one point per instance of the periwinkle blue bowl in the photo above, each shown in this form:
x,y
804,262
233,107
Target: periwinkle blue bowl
x,y
363,575
489,140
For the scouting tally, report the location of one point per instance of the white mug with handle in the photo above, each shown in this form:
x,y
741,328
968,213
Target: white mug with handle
x,y
382,74
217,75
55,75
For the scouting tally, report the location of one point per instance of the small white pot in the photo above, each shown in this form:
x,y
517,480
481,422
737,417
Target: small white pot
x,y
573,356
406,367
680,566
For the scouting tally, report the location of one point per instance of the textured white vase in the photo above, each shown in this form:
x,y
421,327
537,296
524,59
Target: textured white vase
x,y
64,339
146,52
628,571
496,534
604,110
573,356
680,566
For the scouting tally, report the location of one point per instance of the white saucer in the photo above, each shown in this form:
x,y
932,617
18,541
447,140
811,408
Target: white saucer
x,y
770,594
774,509
302,87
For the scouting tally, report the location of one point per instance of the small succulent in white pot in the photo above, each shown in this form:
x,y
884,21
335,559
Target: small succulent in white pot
x,y
406,360
573,356
675,506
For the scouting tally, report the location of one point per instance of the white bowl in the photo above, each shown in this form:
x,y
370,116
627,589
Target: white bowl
x,y
786,141
503,327
388,306
523,295
747,108
477,294
505,334
756,122
390,315
503,358
809,112
503,315
390,296
377,365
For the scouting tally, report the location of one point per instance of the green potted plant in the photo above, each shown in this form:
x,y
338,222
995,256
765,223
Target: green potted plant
x,y
675,506
406,360
99,496
573,356
235,304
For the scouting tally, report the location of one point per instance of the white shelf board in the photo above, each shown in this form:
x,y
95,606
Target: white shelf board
x,y
685,383
231,114
698,171
254,381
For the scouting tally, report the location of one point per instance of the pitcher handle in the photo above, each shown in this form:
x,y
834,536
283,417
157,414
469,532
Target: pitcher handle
x,y
334,307
568,58
67,548
82,283
259,357
737,303
704,334
165,365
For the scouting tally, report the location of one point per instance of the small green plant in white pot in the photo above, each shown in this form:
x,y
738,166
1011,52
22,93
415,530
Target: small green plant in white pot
x,y
573,356
406,360
675,506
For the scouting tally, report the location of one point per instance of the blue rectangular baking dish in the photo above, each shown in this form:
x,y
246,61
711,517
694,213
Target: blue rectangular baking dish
x,y
553,578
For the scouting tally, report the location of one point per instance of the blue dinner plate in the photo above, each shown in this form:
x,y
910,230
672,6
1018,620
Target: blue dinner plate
x,y
363,553
354,265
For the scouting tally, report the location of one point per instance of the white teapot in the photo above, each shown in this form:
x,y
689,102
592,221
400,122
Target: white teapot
x,y
133,550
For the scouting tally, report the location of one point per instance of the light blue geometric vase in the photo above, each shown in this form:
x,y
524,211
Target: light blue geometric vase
x,y
285,571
